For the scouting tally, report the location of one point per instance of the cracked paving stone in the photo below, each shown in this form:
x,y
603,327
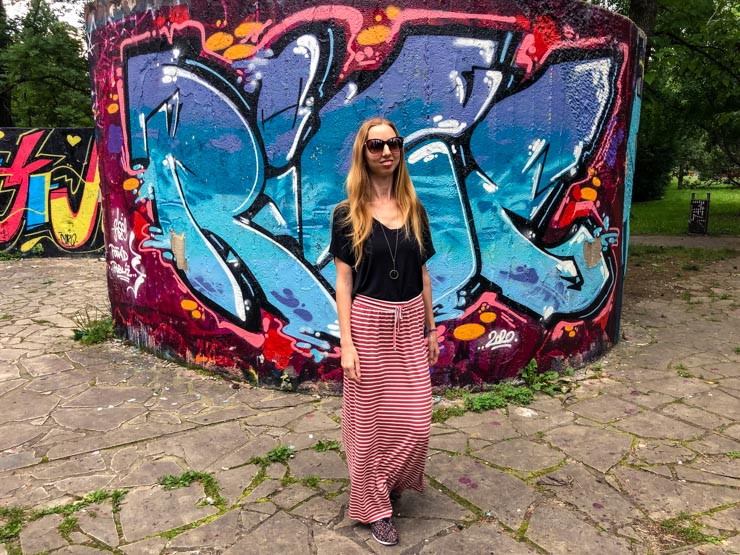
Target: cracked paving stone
x,y
604,408
665,498
717,401
148,511
485,538
430,504
21,405
653,425
521,454
108,396
320,509
63,380
219,534
714,444
80,485
42,535
662,452
728,519
46,364
315,421
595,447
279,418
329,542
557,530
411,533
291,495
103,420
148,473
281,533
152,546
721,471
97,521
590,493
13,435
327,464
81,550
233,482
225,414
486,488
456,442
695,416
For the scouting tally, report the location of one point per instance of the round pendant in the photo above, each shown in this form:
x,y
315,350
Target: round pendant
x,y
393,273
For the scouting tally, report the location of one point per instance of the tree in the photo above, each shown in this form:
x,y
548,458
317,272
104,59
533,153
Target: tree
x,y
6,118
46,75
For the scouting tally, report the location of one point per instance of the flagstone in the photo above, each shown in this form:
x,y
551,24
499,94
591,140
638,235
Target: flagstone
x,y
97,521
42,535
598,448
219,534
604,408
480,538
19,405
521,454
327,464
653,425
103,420
46,364
281,533
695,416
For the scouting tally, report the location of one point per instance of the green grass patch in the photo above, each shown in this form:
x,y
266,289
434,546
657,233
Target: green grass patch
x,y
91,327
68,526
211,487
644,255
12,522
326,445
733,454
9,256
687,529
443,413
311,481
670,215
281,453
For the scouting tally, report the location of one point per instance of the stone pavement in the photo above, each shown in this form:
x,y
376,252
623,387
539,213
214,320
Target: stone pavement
x,y
651,434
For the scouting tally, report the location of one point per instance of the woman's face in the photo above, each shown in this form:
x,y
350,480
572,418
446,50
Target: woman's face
x,y
384,162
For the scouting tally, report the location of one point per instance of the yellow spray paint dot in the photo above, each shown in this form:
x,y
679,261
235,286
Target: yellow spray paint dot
x,y
239,51
28,245
587,193
373,35
487,317
2,134
596,181
112,108
196,314
466,332
572,334
378,18
247,29
392,12
188,304
130,184
219,41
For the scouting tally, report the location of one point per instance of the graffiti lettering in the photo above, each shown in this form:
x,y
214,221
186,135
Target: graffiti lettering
x,y
49,191
498,339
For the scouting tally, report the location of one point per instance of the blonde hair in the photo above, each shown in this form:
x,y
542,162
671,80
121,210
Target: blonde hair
x,y
358,218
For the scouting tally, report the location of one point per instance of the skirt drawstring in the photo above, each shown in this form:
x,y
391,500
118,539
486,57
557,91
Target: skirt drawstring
x,y
397,319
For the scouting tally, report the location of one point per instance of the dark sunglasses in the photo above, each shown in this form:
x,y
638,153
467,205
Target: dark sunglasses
x,y
376,146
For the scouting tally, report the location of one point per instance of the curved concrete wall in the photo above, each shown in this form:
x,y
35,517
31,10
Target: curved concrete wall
x,y
224,133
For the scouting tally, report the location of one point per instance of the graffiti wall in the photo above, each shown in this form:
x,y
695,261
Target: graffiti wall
x,y
49,192
225,132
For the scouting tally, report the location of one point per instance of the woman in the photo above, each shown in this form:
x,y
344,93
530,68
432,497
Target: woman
x,y
381,242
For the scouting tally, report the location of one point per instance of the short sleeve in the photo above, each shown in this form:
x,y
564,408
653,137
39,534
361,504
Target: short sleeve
x,y
426,239
341,243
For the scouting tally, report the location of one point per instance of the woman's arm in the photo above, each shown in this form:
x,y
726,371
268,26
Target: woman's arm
x,y
426,295
350,360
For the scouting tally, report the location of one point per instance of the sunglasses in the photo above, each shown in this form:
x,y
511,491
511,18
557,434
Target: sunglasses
x,y
376,146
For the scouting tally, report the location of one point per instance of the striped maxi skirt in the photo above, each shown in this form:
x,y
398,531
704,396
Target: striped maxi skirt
x,y
387,417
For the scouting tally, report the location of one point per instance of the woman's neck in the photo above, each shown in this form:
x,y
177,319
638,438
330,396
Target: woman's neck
x,y
381,190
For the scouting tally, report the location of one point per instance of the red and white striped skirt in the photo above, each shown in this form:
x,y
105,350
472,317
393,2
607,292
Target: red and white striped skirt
x,y
386,418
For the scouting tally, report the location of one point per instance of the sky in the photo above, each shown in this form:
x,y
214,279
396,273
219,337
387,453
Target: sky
x,y
69,11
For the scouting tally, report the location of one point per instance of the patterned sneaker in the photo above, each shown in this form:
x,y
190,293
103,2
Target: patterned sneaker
x,y
384,532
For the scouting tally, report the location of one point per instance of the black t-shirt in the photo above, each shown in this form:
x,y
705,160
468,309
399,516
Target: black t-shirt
x,y
372,278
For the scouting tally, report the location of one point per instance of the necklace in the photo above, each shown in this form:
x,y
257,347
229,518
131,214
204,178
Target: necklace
x,y
393,273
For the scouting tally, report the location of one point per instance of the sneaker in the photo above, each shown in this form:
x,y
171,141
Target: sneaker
x,y
384,532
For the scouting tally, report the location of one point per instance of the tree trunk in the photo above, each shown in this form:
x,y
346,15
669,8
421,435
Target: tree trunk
x,y
643,13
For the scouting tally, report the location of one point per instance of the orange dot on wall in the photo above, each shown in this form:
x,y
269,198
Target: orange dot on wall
x,y
188,304
487,317
373,35
596,181
196,314
239,51
587,193
130,184
219,41
466,332
392,12
112,108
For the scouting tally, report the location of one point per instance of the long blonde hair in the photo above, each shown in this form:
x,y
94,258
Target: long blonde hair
x,y
358,218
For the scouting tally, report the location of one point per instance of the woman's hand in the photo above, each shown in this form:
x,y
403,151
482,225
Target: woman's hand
x,y
351,363
433,347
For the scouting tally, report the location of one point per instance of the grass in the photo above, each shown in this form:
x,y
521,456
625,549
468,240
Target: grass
x,y
211,487
688,530
670,215
281,453
733,454
326,445
503,394
91,328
